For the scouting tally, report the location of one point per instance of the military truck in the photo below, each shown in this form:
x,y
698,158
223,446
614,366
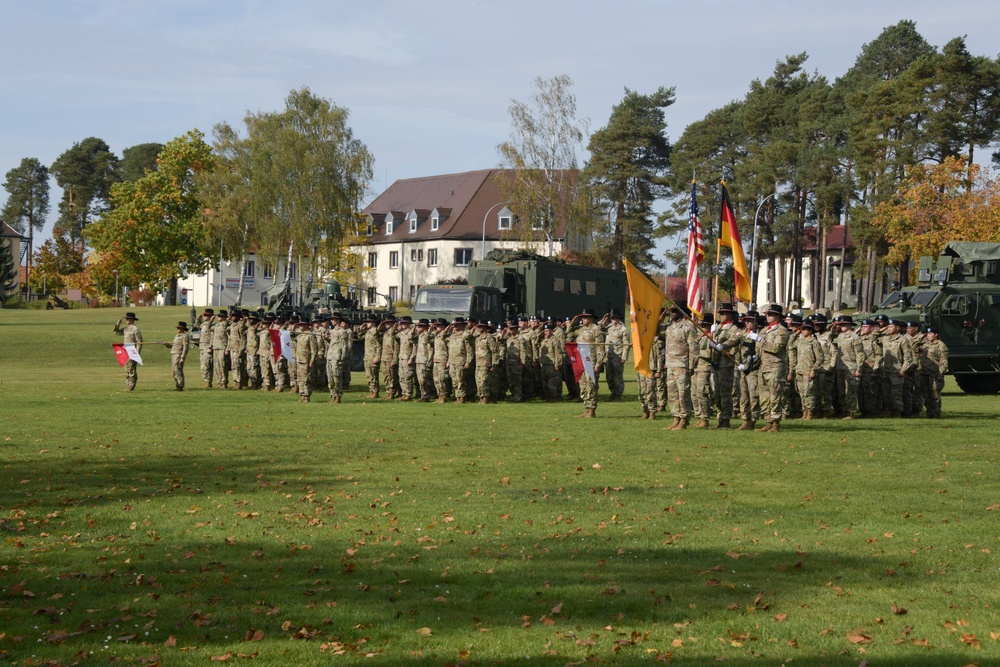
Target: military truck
x,y
959,293
506,285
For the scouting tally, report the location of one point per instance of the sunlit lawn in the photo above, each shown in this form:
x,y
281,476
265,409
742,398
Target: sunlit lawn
x,y
185,528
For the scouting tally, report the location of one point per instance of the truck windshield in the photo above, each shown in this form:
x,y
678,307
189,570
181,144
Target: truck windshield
x,y
908,299
443,301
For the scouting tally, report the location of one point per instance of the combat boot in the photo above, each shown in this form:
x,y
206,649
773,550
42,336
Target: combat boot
x,y
645,415
747,425
683,425
702,423
765,428
652,415
723,424
675,424
807,415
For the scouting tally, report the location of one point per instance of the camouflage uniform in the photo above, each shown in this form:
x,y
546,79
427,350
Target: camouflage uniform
x,y
425,363
805,364
592,334
373,351
485,365
253,365
220,352
264,357
131,334
460,356
933,366
897,361
913,398
178,353
680,355
727,337
870,384
647,385
516,348
407,355
389,360
825,380
237,353
850,361
773,349
748,380
306,349
442,380
618,338
338,353
551,356
279,365
205,349
701,382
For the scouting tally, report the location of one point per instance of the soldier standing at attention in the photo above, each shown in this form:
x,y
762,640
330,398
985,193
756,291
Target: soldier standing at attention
x,y
680,356
647,385
131,334
619,339
933,366
305,358
252,342
727,338
220,352
424,360
178,353
825,381
850,361
264,353
772,346
205,322
389,357
407,355
748,372
869,387
442,379
372,337
897,361
338,352
486,362
460,355
805,363
701,377
551,355
588,331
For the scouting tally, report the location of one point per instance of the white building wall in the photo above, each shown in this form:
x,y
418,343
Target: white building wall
x,y
219,288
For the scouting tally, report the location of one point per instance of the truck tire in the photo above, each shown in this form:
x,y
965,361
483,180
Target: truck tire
x,y
974,383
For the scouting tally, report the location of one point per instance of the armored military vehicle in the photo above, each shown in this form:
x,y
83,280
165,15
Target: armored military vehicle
x,y
507,284
959,293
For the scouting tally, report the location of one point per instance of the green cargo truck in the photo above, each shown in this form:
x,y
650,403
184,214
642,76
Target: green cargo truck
x,y
508,285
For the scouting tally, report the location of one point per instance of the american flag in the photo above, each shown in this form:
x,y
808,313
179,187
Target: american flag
x,y
696,252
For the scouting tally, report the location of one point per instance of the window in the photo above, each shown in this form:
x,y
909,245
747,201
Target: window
x,y
854,285
388,226
370,229
829,276
435,221
463,256
590,287
371,296
413,292
558,284
432,257
537,223
268,270
394,260
574,286
413,225
393,294
373,260
248,270
416,255
503,222
264,298
291,271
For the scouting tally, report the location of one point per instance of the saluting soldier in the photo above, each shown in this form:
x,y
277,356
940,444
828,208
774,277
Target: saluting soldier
x,y
178,353
772,345
252,344
305,351
485,362
338,353
897,361
933,366
279,365
461,352
220,349
584,329
516,348
237,349
407,354
701,376
204,323
442,378
618,339
647,385
869,384
424,368
912,396
551,356
130,334
389,358
371,334
264,352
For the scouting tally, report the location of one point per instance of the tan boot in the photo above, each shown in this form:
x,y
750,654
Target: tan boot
x,y
747,425
589,413
723,425
807,415
702,423
675,424
683,425
652,415
765,428
645,415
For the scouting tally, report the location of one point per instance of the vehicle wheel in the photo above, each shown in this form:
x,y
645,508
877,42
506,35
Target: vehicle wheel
x,y
978,384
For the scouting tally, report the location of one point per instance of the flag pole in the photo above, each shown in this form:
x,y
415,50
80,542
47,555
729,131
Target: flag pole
x,y
718,267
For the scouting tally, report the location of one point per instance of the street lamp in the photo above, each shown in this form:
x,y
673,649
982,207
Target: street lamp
x,y
115,271
753,246
485,217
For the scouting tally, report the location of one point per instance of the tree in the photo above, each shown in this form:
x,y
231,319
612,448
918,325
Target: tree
x,y
309,176
136,160
56,259
939,203
27,204
630,159
85,172
155,224
541,152
8,271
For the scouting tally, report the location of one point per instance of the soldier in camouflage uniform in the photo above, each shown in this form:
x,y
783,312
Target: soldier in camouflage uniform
x,y
748,372
647,385
406,353
204,323
485,362
516,347
869,384
680,356
237,349
618,339
583,329
338,353
551,357
264,353
279,365
825,380
772,346
425,361
933,366
389,358
305,347
461,353
253,366
793,403
912,395
850,361
897,361
442,379
701,377
805,364
370,333
178,353
726,337
220,349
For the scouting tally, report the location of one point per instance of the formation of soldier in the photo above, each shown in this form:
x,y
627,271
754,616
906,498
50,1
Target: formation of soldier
x,y
771,367
423,360
749,368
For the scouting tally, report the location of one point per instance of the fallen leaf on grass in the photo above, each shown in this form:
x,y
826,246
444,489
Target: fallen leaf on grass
x,y
424,632
858,637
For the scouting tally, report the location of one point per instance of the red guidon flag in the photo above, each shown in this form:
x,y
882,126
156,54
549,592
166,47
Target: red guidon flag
x,y
579,357
126,352
281,344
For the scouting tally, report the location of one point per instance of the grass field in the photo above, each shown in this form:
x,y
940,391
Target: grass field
x,y
188,528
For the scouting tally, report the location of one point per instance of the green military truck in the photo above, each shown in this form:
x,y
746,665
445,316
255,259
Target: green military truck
x,y
959,293
507,285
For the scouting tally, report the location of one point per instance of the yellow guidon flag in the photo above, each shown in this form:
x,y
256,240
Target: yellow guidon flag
x,y
646,303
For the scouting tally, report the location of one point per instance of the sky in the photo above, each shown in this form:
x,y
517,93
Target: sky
x,y
428,84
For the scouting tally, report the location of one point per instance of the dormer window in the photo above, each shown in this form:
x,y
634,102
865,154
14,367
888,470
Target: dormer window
x,y
370,229
435,222
504,222
413,224
388,226
505,219
439,215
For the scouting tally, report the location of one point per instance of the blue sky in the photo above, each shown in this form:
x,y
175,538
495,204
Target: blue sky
x,y
428,83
